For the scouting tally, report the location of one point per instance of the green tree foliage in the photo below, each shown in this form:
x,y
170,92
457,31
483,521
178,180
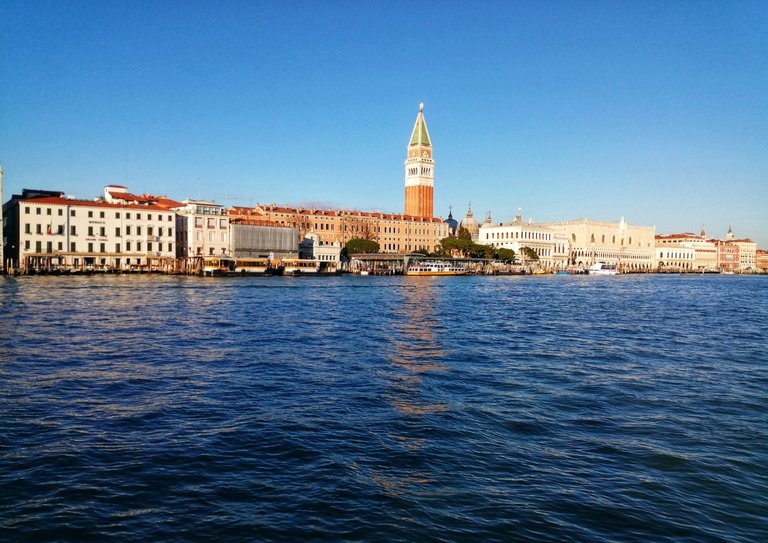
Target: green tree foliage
x,y
361,246
464,234
529,254
421,251
505,255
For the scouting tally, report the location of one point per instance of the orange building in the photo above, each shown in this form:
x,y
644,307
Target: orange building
x,y
395,233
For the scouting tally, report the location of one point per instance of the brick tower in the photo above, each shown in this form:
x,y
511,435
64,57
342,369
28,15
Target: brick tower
x,y
419,171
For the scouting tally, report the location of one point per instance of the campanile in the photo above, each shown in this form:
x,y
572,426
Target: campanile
x,y
419,171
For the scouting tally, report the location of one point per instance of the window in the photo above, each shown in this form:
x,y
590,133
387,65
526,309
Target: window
x,y
127,230
223,237
127,215
60,230
127,245
169,218
26,210
27,229
150,230
117,232
90,214
170,247
73,247
211,222
61,212
38,228
103,231
71,212
26,245
117,215
38,247
90,247
138,216
117,247
210,236
149,246
90,230
73,230
222,223
138,246
138,230
198,222
38,212
102,247
149,216
101,214
48,212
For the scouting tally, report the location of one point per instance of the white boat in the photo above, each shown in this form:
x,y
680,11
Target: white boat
x,y
436,268
601,268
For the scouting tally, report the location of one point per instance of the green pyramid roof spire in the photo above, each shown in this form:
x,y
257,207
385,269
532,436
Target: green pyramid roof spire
x,y
420,134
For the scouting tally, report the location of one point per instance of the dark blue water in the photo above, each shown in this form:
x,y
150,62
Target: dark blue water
x,y
574,409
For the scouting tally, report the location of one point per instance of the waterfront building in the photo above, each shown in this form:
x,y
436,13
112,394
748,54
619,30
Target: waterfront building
x,y
678,258
705,250
419,171
261,240
728,256
414,230
51,231
470,224
394,233
761,261
549,246
313,248
629,247
747,250
202,229
2,226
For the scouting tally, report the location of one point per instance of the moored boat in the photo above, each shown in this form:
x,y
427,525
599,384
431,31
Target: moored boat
x,y
435,268
601,268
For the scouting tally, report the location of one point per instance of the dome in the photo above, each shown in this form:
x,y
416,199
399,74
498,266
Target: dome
x,y
453,224
470,224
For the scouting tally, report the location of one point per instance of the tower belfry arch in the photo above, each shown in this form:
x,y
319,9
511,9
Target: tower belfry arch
x,y
419,171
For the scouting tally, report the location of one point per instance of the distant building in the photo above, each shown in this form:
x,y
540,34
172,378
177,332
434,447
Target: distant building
x,y
551,247
705,250
259,240
747,251
2,225
329,254
761,261
414,230
628,246
202,229
470,224
50,231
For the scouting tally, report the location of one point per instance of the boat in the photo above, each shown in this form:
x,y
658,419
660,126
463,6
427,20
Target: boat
x,y
601,268
540,272
251,266
300,266
435,268
217,265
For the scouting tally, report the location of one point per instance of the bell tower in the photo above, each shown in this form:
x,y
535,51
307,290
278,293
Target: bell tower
x,y
419,171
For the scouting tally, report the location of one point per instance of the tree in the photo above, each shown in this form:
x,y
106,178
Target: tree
x,y
361,246
454,247
421,251
505,255
529,254
464,234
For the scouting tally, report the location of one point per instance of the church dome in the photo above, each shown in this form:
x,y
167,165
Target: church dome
x,y
453,224
470,224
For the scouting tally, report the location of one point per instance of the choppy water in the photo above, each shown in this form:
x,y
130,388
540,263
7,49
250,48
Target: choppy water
x,y
630,408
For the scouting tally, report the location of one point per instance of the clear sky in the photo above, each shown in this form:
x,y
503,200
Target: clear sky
x,y
655,111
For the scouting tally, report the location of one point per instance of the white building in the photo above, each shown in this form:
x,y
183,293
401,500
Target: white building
x,y
326,252
630,247
705,250
551,248
679,258
55,232
202,229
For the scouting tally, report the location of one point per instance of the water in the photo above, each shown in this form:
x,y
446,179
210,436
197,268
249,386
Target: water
x,y
594,409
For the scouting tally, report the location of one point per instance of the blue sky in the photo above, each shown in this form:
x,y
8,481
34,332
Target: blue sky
x,y
655,111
